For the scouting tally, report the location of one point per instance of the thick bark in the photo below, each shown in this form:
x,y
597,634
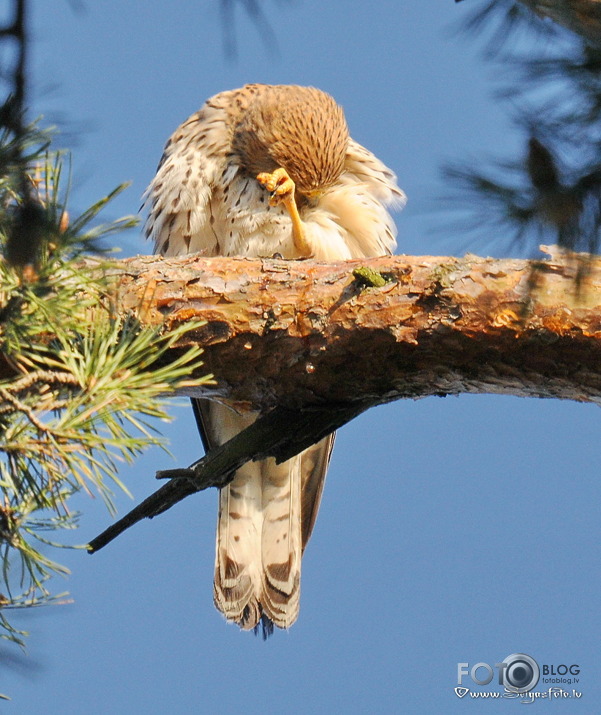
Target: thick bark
x,y
335,339
299,333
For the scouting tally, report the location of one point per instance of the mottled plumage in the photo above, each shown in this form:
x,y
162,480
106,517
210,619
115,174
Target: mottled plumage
x,y
259,171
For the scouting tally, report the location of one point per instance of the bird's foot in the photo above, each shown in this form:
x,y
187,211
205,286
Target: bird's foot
x,y
282,190
279,184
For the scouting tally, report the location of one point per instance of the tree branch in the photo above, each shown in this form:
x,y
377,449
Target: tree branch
x,y
312,345
281,434
300,333
303,334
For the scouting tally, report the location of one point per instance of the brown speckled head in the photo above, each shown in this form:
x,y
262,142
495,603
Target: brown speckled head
x,y
301,129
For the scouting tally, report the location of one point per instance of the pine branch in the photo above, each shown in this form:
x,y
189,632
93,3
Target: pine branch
x,y
81,383
312,345
301,334
281,434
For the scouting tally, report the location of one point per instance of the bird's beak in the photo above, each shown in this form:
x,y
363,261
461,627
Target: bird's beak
x,y
313,196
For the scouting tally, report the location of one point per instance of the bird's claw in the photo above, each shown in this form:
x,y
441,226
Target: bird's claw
x,y
282,190
279,184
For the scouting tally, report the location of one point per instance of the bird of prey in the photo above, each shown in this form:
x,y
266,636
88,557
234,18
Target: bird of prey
x,y
260,171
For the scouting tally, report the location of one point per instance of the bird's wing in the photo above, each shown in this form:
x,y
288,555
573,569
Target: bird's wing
x,y
374,174
315,461
178,199
200,408
351,219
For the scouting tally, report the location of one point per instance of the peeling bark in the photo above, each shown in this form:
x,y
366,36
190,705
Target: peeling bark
x,y
300,333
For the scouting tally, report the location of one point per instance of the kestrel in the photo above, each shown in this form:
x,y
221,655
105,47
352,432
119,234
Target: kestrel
x,y
260,171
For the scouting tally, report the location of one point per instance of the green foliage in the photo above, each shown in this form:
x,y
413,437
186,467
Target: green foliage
x,y
80,383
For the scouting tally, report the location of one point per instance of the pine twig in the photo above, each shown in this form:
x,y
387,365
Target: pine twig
x,y
21,407
282,433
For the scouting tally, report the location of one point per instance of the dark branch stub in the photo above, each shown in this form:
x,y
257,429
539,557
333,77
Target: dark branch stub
x,y
282,433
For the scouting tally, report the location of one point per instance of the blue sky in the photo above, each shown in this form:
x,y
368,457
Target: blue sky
x,y
452,530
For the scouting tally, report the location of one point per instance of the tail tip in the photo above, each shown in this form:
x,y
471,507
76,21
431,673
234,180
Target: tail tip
x,y
264,627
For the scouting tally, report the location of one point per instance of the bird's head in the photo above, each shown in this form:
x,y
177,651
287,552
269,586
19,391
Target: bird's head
x,y
300,129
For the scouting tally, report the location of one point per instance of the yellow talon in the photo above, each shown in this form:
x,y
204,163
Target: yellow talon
x,y
279,184
282,190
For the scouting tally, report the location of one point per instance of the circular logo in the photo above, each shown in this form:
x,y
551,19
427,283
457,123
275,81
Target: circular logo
x,y
521,673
